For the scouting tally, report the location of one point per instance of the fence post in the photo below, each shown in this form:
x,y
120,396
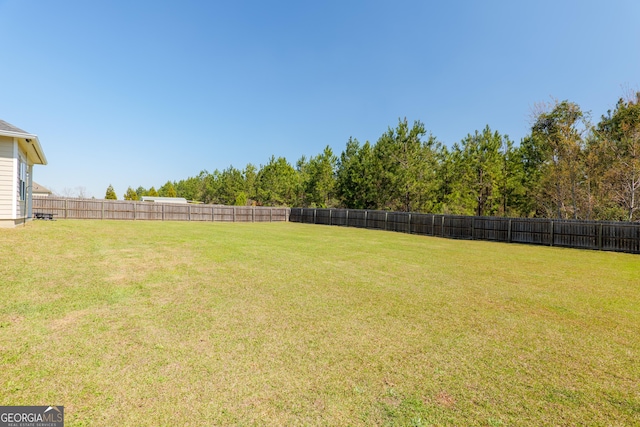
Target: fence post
x,y
270,214
551,243
366,219
473,227
385,220
213,214
102,217
135,208
346,223
66,208
330,222
253,214
442,226
433,225
162,212
410,223
234,214
600,236
315,215
188,212
509,233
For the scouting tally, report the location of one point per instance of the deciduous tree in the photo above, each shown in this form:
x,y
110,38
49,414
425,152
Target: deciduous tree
x,y
620,135
558,132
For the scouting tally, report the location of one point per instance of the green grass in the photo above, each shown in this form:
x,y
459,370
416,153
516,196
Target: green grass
x,y
176,323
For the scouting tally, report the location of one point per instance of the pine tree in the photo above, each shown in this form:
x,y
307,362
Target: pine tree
x,y
131,194
320,178
277,183
404,168
141,191
167,190
111,194
478,163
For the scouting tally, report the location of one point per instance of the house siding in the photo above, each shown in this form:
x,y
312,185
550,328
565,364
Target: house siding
x,y
8,178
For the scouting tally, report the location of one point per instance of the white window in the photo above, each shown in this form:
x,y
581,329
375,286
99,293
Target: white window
x,y
22,179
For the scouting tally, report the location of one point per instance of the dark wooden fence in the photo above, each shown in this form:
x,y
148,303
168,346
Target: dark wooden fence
x,y
608,236
134,210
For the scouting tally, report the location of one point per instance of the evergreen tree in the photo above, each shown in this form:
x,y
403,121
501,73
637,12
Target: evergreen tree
x,y
319,180
479,167
131,194
231,184
446,179
110,194
302,170
152,192
404,169
241,199
167,190
250,175
141,191
190,188
277,182
210,187
353,185
532,159
511,185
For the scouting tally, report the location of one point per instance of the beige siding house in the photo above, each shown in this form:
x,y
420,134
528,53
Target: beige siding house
x,y
19,151
39,191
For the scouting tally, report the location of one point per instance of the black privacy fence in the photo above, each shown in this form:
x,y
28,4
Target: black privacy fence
x,y
608,236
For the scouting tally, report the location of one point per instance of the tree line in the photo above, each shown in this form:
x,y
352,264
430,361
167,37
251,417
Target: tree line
x,y
566,167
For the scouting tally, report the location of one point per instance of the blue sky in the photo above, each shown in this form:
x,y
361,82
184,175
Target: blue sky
x,y
140,92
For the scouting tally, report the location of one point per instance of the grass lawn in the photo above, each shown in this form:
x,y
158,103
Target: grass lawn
x,y
177,323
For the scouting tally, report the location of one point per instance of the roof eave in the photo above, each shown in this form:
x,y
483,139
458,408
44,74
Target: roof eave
x,y
33,139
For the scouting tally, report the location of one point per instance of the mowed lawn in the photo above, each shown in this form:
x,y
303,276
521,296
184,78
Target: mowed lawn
x,y
178,323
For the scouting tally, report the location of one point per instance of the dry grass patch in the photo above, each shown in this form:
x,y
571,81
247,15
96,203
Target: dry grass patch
x,y
159,323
